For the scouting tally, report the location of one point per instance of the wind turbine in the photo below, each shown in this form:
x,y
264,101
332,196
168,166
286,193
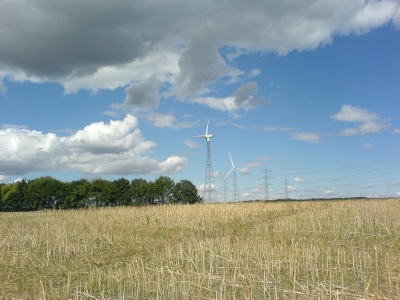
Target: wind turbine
x,y
234,168
209,184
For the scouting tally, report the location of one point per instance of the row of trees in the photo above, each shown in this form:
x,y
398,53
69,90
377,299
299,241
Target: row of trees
x,y
50,193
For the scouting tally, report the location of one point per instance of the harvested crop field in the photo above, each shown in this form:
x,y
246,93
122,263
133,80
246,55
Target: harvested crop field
x,y
348,249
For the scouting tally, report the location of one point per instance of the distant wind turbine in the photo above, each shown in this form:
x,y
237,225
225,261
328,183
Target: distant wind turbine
x,y
209,184
235,190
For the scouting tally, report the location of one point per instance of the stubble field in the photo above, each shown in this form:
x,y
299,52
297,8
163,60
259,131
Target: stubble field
x,y
258,250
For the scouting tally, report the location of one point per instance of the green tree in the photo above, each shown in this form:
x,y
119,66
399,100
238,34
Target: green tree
x,y
1,196
9,197
43,193
123,191
139,189
96,195
185,192
13,196
163,187
150,193
75,194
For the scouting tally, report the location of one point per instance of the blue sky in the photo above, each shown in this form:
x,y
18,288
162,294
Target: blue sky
x,y
309,91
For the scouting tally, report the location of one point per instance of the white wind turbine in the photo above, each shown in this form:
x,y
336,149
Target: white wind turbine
x,y
209,184
234,168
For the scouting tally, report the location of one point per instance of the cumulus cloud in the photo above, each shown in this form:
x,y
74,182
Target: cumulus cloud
x,y
307,137
114,137
371,122
117,147
178,43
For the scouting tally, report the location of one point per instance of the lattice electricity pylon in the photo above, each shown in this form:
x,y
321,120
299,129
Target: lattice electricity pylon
x,y
210,190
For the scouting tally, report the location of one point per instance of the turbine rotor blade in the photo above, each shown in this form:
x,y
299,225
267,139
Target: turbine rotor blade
x,y
228,173
233,165
208,122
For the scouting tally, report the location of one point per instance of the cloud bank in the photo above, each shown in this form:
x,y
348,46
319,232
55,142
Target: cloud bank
x,y
117,147
183,46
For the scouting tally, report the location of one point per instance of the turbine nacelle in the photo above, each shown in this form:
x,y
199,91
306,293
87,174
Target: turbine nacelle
x,y
206,136
234,168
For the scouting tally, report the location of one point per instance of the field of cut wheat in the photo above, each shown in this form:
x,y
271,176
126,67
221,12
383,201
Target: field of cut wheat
x,y
257,250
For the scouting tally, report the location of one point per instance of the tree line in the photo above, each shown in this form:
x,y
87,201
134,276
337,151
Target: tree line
x,y
50,193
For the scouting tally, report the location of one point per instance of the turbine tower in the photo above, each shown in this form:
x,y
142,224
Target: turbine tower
x,y
209,184
235,190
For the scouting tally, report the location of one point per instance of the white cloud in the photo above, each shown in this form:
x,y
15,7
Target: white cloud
x,y
115,137
3,178
245,171
368,145
254,73
17,180
291,188
371,122
166,121
350,132
208,188
350,113
329,192
299,180
307,137
242,98
117,147
374,13
217,174
398,193
178,43
257,162
369,185
6,126
373,127
191,144
396,130
278,128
